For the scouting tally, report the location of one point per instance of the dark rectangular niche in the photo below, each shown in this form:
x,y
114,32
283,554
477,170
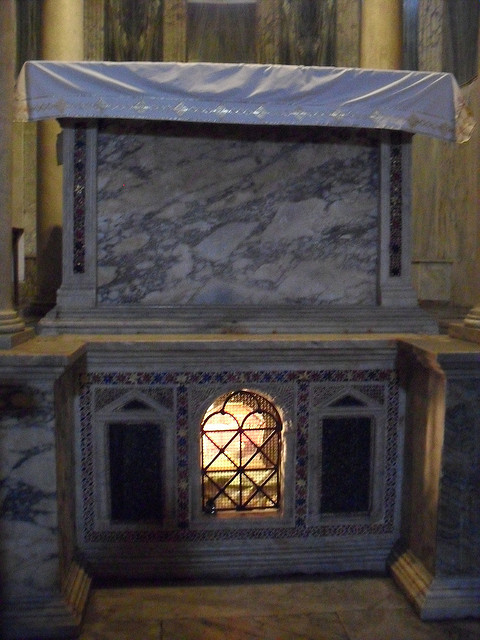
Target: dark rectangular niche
x,y
135,472
345,465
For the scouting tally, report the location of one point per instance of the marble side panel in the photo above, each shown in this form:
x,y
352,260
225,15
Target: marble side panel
x,y
190,214
446,189
65,389
459,506
28,499
425,389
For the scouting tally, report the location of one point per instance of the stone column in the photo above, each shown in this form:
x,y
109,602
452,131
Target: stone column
x,y
175,30
381,34
62,39
94,27
268,31
11,327
347,39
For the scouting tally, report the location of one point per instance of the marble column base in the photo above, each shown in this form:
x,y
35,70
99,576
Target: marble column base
x,y
469,329
12,330
461,331
57,616
473,317
432,597
10,322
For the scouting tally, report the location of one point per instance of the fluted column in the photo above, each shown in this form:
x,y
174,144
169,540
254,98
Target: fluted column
x,y
381,34
62,39
10,324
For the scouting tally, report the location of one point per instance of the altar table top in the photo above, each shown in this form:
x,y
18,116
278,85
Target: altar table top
x,y
430,103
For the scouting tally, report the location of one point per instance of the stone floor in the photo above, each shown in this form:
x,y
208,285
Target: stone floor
x,y
346,608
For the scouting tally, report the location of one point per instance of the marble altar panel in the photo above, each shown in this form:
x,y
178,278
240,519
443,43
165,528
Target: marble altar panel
x,y
436,559
214,215
28,497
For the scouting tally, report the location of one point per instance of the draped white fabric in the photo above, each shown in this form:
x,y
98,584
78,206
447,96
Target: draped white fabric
x,y
412,101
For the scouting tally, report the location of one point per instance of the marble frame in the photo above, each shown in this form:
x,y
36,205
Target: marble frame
x,y
396,307
113,413
376,411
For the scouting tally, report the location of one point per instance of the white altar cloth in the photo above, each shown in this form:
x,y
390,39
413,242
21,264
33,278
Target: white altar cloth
x,y
412,101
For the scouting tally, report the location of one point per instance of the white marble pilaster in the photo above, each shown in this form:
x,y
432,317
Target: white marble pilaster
x,y
381,34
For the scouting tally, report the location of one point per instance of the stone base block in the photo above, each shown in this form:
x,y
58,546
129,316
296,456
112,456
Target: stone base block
x,y
55,616
432,279
434,598
464,332
9,340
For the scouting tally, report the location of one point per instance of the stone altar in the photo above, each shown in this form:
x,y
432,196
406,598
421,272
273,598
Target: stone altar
x,y
188,298
255,198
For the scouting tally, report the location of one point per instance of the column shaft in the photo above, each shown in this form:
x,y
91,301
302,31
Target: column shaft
x,y
62,39
381,34
175,30
268,31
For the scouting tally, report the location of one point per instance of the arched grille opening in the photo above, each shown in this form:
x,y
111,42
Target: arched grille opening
x,y
241,453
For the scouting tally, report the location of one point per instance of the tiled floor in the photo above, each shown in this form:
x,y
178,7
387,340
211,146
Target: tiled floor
x,y
346,608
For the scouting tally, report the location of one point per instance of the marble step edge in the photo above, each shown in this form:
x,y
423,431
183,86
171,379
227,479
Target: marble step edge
x,y
344,319
365,554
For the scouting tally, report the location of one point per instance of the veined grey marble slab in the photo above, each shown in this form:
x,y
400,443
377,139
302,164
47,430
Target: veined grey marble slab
x,y
189,214
28,494
459,503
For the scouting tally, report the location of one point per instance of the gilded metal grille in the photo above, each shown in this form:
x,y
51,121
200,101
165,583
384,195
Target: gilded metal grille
x,y
241,450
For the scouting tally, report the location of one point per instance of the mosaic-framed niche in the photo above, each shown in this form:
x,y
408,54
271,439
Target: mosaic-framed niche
x,y
132,456
178,400
350,445
283,398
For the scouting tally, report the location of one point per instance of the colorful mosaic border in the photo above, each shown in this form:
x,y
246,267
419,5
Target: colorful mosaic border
x,y
396,203
79,194
180,382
